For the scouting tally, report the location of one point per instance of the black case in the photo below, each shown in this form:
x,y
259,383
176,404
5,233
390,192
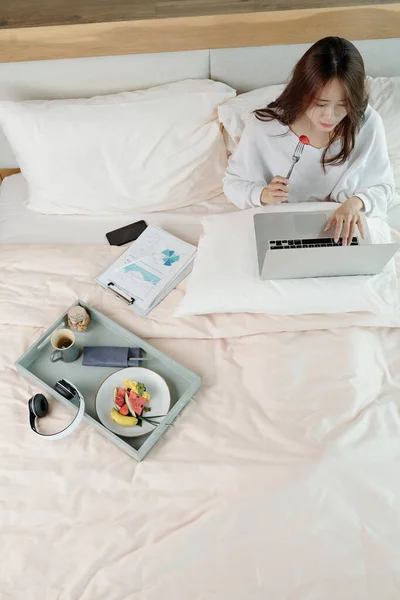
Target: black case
x,y
126,234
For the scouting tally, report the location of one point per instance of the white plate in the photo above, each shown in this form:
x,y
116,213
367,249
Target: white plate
x,y
160,399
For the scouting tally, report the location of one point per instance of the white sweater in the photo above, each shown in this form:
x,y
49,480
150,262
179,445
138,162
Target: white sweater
x,y
263,152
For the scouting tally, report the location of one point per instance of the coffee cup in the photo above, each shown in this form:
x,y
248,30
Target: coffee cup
x,y
66,349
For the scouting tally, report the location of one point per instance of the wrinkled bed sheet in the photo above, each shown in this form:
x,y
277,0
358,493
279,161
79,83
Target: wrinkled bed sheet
x,y
280,480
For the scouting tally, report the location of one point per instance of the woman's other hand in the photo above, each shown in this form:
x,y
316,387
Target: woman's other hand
x,y
345,219
276,192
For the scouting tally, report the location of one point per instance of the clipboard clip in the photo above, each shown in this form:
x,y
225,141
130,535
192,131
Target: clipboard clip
x,y
128,299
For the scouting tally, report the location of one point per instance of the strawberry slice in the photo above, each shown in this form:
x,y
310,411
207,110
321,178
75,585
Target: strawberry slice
x,y
304,140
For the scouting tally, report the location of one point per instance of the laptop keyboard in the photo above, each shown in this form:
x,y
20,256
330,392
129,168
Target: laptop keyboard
x,y
308,243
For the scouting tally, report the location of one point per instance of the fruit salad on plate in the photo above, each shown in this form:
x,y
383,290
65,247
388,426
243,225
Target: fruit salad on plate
x,y
131,401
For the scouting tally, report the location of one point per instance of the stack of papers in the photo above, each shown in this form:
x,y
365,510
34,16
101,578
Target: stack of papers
x,y
149,269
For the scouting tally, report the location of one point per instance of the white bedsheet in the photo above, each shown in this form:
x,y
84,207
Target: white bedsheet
x,y
21,225
280,481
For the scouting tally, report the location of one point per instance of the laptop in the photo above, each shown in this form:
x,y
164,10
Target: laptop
x,y
294,246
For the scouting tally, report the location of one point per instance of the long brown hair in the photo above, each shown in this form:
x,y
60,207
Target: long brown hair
x,y
327,59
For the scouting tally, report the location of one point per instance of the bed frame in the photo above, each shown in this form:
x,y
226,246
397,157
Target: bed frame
x,y
199,32
7,172
233,51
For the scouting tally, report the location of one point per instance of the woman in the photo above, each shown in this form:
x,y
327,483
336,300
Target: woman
x,y
346,160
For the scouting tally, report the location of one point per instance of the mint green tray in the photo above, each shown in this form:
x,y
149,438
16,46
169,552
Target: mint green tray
x,y
35,364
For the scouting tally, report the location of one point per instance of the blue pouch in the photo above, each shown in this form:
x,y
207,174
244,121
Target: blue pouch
x,y
111,356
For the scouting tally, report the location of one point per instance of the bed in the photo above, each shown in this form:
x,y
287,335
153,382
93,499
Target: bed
x,y
278,481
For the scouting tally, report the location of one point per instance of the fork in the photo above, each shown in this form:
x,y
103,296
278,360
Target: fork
x,y
296,157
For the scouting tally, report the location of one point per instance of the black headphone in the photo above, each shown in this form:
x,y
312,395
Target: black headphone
x,y
38,408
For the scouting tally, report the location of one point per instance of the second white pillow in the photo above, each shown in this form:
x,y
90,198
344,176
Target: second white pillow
x,y
225,277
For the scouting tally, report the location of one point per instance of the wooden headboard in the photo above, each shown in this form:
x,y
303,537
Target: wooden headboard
x,y
200,32
6,172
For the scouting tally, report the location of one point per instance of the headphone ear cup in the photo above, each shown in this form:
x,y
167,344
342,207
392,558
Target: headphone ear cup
x,y
40,406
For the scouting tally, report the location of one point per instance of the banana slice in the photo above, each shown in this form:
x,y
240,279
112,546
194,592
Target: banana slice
x,y
121,420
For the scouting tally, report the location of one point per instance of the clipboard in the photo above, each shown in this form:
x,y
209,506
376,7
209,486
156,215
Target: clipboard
x,y
152,266
118,292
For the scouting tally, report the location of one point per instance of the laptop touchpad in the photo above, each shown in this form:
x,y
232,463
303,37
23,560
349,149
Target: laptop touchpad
x,y
309,225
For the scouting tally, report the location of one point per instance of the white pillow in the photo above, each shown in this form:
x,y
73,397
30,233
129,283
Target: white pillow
x,y
235,114
148,150
384,98
225,276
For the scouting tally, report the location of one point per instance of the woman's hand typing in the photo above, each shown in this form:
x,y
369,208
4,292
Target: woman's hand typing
x,y
345,219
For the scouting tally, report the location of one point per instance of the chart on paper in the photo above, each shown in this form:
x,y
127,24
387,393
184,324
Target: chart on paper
x,y
150,264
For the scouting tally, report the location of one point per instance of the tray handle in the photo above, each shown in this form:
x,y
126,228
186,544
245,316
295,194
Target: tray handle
x,y
45,341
